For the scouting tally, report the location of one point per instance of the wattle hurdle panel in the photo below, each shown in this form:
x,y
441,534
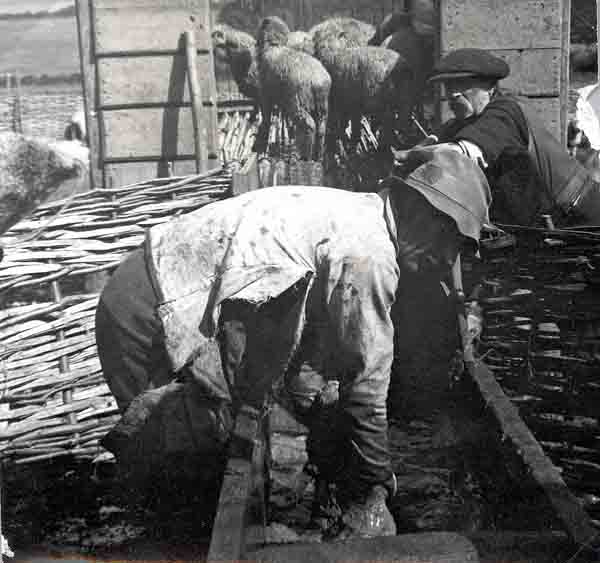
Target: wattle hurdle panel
x,y
53,399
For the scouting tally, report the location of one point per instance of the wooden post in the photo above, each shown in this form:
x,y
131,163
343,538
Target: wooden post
x,y
192,75
598,36
564,69
1,535
87,78
18,115
438,40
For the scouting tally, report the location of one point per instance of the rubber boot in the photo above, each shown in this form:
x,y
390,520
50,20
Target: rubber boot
x,y
365,519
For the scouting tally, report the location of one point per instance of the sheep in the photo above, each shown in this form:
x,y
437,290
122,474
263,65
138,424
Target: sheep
x,y
397,32
365,80
239,48
297,83
357,32
31,170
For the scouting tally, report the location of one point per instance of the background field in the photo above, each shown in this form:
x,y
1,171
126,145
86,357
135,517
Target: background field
x,y
36,47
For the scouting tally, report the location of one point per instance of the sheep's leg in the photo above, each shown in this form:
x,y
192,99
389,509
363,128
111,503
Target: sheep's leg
x,y
333,131
305,135
262,136
387,134
356,131
320,134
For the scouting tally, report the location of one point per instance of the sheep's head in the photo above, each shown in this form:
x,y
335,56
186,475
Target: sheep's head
x,y
272,32
231,39
358,33
330,38
391,23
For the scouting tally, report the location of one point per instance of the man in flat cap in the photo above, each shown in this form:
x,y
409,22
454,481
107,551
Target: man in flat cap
x,y
529,171
284,283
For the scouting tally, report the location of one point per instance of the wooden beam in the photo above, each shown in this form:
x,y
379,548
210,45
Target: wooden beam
x,y
564,69
430,547
192,76
84,40
233,527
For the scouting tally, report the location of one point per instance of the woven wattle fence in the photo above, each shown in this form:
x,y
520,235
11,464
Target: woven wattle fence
x,y
53,399
541,302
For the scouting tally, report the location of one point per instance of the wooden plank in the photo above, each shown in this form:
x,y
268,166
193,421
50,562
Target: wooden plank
x,y
496,24
430,547
158,79
84,38
194,89
228,538
208,82
565,71
131,25
165,132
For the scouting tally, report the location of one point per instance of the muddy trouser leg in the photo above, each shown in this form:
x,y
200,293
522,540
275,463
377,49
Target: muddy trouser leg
x,y
129,334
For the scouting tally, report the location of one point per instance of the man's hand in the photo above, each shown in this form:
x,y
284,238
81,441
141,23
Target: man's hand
x,y
412,158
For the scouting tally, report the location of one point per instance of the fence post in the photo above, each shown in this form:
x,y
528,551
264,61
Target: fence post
x,y
17,110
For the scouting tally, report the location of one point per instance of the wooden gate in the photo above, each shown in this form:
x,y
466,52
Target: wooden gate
x,y
531,35
136,71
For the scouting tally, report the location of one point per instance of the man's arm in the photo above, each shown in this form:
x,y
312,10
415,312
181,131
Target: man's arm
x,y
500,126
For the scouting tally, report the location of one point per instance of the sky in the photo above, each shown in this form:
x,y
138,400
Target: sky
x,y
18,6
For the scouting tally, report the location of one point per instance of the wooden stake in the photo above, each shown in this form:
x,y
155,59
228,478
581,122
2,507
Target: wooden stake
x,y
598,33
565,34
192,72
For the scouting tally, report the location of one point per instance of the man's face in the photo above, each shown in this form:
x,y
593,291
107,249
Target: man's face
x,y
468,96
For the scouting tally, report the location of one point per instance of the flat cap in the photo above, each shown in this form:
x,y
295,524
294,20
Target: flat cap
x,y
464,63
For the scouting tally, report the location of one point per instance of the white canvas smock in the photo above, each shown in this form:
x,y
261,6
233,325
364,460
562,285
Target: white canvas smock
x,y
256,245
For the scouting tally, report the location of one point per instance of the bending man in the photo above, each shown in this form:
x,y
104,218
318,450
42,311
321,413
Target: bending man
x,y
286,277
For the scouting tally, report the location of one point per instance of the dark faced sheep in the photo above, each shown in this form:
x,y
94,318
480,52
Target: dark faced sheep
x,y
365,81
240,52
397,32
295,82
